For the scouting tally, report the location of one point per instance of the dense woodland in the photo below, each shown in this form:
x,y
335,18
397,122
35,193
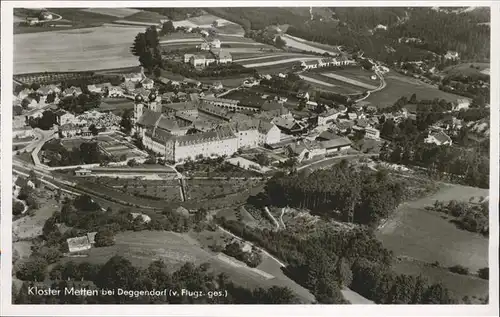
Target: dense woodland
x,y
359,196
354,29
119,272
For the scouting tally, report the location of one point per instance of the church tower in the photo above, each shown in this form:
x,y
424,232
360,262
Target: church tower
x,y
154,104
138,108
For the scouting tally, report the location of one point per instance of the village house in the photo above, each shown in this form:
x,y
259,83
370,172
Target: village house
x,y
452,55
64,117
303,95
328,116
128,86
30,102
304,150
148,83
372,133
461,103
72,91
438,138
288,126
327,135
25,93
68,130
336,145
311,105
133,77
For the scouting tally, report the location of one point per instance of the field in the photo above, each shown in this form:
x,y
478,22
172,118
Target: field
x,y
104,47
348,80
143,247
275,60
427,236
146,16
112,144
304,45
114,12
198,189
330,84
467,70
399,85
71,18
357,73
168,190
460,285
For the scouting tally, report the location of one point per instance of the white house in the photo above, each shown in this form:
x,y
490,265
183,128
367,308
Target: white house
x,y
452,55
328,116
438,138
269,133
133,77
372,133
462,103
67,118
148,83
187,57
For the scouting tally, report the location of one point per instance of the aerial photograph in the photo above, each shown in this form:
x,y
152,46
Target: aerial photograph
x,y
251,155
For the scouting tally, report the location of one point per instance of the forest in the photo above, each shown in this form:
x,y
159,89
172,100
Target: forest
x,y
344,192
354,29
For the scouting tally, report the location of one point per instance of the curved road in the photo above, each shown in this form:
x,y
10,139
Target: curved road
x,y
380,87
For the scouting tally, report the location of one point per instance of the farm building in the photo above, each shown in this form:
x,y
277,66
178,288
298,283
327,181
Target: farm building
x,y
78,244
336,145
305,150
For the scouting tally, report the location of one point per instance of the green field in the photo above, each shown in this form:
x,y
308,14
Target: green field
x,y
459,285
116,104
356,73
331,84
466,69
146,16
399,85
427,236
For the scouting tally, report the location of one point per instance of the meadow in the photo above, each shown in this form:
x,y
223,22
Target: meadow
x,y
399,85
422,237
304,45
103,47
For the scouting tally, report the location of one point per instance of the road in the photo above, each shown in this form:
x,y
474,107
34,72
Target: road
x,y
270,215
336,158
380,87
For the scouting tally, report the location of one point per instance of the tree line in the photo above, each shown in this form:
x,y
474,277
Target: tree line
x,y
118,272
469,216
